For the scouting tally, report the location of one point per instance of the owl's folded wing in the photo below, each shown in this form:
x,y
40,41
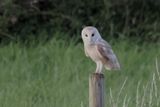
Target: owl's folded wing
x,y
108,57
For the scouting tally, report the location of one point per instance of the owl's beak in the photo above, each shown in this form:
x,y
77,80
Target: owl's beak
x,y
91,42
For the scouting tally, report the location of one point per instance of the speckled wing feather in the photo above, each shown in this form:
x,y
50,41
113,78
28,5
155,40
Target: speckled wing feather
x,y
108,57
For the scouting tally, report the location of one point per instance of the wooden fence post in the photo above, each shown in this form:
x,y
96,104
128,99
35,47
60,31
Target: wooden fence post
x,y
96,90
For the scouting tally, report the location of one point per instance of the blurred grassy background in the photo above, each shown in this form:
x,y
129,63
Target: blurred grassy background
x,y
55,74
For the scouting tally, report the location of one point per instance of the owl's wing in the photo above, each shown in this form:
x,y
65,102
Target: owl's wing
x,y
108,57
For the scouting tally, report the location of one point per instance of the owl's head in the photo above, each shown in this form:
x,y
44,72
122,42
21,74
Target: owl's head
x,y
90,35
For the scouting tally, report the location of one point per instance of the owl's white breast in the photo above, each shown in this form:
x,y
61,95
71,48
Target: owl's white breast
x,y
93,52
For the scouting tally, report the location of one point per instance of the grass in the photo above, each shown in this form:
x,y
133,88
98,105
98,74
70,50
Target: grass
x,y
55,74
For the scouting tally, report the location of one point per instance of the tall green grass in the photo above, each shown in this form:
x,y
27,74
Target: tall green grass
x,y
55,74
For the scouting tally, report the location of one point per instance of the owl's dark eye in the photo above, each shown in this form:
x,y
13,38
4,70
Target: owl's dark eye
x,y
86,35
92,34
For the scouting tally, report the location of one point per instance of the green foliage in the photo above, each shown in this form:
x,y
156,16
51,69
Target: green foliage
x,y
116,18
55,74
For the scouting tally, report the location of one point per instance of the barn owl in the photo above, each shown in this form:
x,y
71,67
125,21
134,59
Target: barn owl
x,y
98,50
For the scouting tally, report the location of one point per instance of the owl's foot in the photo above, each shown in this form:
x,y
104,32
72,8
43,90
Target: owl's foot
x,y
98,72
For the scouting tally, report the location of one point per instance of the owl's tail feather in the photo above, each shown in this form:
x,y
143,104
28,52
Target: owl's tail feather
x,y
113,66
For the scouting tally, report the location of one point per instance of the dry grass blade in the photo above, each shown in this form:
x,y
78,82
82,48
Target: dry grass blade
x,y
151,93
127,104
82,105
144,95
111,100
158,102
137,94
121,91
124,101
155,86
157,69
